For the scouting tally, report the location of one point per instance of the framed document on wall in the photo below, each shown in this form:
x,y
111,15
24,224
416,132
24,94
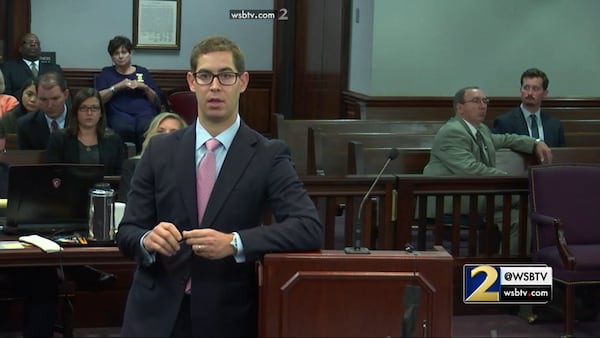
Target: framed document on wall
x,y
156,24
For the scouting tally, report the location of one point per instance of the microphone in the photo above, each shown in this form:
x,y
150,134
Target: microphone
x,y
358,248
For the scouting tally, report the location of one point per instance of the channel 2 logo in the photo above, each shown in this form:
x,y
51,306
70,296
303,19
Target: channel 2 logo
x,y
507,284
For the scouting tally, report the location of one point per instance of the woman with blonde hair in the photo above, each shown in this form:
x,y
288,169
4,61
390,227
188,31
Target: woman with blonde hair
x,y
163,123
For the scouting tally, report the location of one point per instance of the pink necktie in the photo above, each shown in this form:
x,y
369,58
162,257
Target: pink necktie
x,y
54,125
205,179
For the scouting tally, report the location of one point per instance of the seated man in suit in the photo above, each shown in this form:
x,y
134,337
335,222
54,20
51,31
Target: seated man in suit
x,y
33,129
16,72
465,146
528,118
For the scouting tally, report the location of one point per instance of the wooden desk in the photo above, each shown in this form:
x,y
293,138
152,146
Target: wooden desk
x,y
32,256
108,304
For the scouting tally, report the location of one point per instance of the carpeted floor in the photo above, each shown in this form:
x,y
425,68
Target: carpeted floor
x,y
501,326
515,326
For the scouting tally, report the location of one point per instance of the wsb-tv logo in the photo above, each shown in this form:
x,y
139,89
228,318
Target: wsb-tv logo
x,y
507,284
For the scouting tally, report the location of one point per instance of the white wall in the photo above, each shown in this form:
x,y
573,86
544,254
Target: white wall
x,y
435,47
398,47
79,31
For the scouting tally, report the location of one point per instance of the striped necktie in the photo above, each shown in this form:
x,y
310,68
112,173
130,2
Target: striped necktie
x,y
34,70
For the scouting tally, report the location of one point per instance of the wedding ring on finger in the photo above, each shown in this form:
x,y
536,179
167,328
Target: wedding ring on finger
x,y
199,246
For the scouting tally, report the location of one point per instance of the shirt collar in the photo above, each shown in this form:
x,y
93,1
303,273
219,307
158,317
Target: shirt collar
x,y
225,137
471,128
60,120
526,112
29,62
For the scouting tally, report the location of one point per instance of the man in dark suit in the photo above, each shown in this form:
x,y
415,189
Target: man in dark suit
x,y
16,72
196,272
528,118
464,146
33,129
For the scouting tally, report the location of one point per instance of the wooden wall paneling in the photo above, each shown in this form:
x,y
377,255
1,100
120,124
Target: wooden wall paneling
x,y
3,30
440,108
15,19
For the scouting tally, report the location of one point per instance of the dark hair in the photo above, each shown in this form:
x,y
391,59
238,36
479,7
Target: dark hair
x,y
72,122
218,44
459,97
26,84
118,42
51,79
534,72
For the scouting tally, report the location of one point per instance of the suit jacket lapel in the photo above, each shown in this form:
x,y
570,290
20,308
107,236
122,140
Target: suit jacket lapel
x,y
238,157
489,144
185,166
26,69
486,139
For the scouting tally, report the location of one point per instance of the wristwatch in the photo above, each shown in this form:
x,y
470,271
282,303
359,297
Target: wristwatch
x,y
537,140
112,88
234,243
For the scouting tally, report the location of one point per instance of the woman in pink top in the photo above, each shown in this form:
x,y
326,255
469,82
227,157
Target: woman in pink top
x,y
7,102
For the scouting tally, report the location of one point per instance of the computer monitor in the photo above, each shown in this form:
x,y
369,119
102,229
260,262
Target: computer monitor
x,y
50,198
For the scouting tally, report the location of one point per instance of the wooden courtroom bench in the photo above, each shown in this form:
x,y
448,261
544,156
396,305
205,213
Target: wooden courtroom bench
x,y
570,126
16,156
364,160
327,152
295,131
369,160
11,141
328,192
440,109
582,139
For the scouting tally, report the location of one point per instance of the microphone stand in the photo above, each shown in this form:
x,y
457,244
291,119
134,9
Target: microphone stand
x,y
358,248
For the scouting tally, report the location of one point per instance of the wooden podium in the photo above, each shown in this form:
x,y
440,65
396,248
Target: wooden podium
x,y
334,294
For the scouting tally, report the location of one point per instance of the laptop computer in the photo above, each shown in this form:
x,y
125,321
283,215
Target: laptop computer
x,y
50,198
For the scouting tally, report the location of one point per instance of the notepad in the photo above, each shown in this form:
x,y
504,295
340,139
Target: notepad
x,y
11,245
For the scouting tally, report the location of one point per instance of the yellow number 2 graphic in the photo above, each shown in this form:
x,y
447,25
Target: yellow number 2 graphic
x,y
481,294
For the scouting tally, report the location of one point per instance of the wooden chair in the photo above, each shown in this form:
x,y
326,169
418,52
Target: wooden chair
x,y
11,141
565,231
184,103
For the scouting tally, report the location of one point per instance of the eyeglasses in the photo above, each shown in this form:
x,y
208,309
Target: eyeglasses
x,y
532,88
225,78
478,100
93,109
31,42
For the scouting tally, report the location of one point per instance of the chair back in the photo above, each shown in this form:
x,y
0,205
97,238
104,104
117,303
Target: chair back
x,y
184,103
571,193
